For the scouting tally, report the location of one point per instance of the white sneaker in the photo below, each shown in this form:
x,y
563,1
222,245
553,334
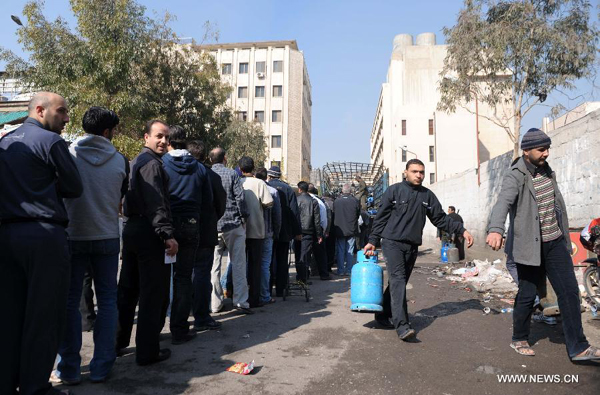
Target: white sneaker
x,y
540,317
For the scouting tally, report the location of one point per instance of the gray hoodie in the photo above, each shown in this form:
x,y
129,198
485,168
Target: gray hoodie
x,y
105,176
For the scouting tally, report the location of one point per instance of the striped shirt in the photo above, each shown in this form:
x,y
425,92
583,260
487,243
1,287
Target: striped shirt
x,y
545,198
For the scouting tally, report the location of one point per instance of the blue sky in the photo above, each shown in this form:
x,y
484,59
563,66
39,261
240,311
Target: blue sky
x,y
347,46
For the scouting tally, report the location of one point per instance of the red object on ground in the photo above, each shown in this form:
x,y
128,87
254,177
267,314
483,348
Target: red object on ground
x,y
578,253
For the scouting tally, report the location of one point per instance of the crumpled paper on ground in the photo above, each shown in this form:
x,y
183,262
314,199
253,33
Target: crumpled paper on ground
x,y
242,368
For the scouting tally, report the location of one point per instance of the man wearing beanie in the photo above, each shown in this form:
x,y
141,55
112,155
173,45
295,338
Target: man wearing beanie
x,y
538,242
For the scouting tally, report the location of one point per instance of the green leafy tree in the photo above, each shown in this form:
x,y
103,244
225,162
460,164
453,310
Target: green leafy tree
x,y
513,53
244,139
119,58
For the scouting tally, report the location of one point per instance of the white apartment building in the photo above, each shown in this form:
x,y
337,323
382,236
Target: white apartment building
x,y
407,124
271,85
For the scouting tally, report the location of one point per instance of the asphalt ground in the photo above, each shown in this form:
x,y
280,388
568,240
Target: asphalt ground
x,y
321,347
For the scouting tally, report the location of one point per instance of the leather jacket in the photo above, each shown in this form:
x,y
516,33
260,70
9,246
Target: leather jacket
x,y
310,218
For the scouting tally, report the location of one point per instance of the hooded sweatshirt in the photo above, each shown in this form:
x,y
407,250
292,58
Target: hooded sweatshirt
x,y
187,180
105,177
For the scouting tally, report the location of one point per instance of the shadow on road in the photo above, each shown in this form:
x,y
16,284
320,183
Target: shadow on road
x,y
210,353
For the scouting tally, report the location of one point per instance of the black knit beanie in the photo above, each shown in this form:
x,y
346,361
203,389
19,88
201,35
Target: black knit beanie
x,y
535,138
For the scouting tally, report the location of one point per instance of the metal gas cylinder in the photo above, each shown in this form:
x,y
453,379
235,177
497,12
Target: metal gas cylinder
x,y
453,255
366,286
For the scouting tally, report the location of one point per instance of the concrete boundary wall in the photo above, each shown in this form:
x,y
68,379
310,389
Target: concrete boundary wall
x,y
574,156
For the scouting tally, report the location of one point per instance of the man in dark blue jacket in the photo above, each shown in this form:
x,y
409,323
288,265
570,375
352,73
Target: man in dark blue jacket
x,y
188,186
290,229
36,173
210,212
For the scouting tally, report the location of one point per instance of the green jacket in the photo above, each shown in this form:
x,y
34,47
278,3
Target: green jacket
x,y
517,199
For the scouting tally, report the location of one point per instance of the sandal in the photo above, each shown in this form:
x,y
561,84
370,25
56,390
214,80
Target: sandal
x,y
591,354
522,348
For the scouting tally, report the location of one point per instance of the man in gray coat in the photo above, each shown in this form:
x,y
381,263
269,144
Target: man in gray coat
x,y
538,242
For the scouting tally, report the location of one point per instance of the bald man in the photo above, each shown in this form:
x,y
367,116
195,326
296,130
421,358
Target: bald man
x,y
36,173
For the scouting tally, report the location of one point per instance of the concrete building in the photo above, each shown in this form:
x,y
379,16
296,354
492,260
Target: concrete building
x,y
407,124
271,86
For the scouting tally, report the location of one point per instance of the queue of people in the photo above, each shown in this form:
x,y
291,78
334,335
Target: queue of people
x,y
183,213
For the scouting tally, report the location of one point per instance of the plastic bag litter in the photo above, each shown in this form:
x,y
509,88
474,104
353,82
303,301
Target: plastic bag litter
x,y
242,368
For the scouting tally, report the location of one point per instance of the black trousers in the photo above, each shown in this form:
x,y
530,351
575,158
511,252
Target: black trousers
x,y
34,284
302,264
144,278
254,252
557,263
187,236
330,249
400,260
320,255
281,249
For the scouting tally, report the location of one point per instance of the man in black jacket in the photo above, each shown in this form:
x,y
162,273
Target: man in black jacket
x,y
310,219
347,211
211,211
290,229
148,235
399,225
36,172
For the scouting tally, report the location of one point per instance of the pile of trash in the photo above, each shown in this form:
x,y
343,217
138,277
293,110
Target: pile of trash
x,y
484,276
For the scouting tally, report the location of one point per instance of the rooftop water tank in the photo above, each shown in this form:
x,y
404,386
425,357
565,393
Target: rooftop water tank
x,y
426,39
402,41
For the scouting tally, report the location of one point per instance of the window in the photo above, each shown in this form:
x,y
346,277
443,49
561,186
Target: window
x,y
260,67
226,68
431,153
242,92
431,178
431,127
242,115
404,127
259,116
277,90
243,68
278,66
276,163
403,155
276,116
259,91
275,141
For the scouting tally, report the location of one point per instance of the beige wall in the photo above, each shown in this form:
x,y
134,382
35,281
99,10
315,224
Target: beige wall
x,y
411,94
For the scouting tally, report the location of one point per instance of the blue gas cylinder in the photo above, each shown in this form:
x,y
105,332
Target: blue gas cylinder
x,y
444,253
366,286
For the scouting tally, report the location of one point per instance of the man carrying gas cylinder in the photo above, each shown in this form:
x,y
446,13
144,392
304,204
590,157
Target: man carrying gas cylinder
x,y
399,226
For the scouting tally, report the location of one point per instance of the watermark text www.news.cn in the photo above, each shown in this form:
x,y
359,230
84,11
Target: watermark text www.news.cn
x,y
538,378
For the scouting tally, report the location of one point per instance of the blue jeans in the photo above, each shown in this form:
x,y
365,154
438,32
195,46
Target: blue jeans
x,y
202,285
103,256
345,254
265,271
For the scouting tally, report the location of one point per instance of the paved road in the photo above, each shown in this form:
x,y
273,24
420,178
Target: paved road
x,y
321,347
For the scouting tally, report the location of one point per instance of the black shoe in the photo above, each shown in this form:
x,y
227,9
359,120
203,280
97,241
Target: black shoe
x,y
244,310
183,339
407,335
326,278
209,326
384,322
163,355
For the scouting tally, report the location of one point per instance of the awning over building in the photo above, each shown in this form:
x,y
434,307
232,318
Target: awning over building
x,y
9,117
